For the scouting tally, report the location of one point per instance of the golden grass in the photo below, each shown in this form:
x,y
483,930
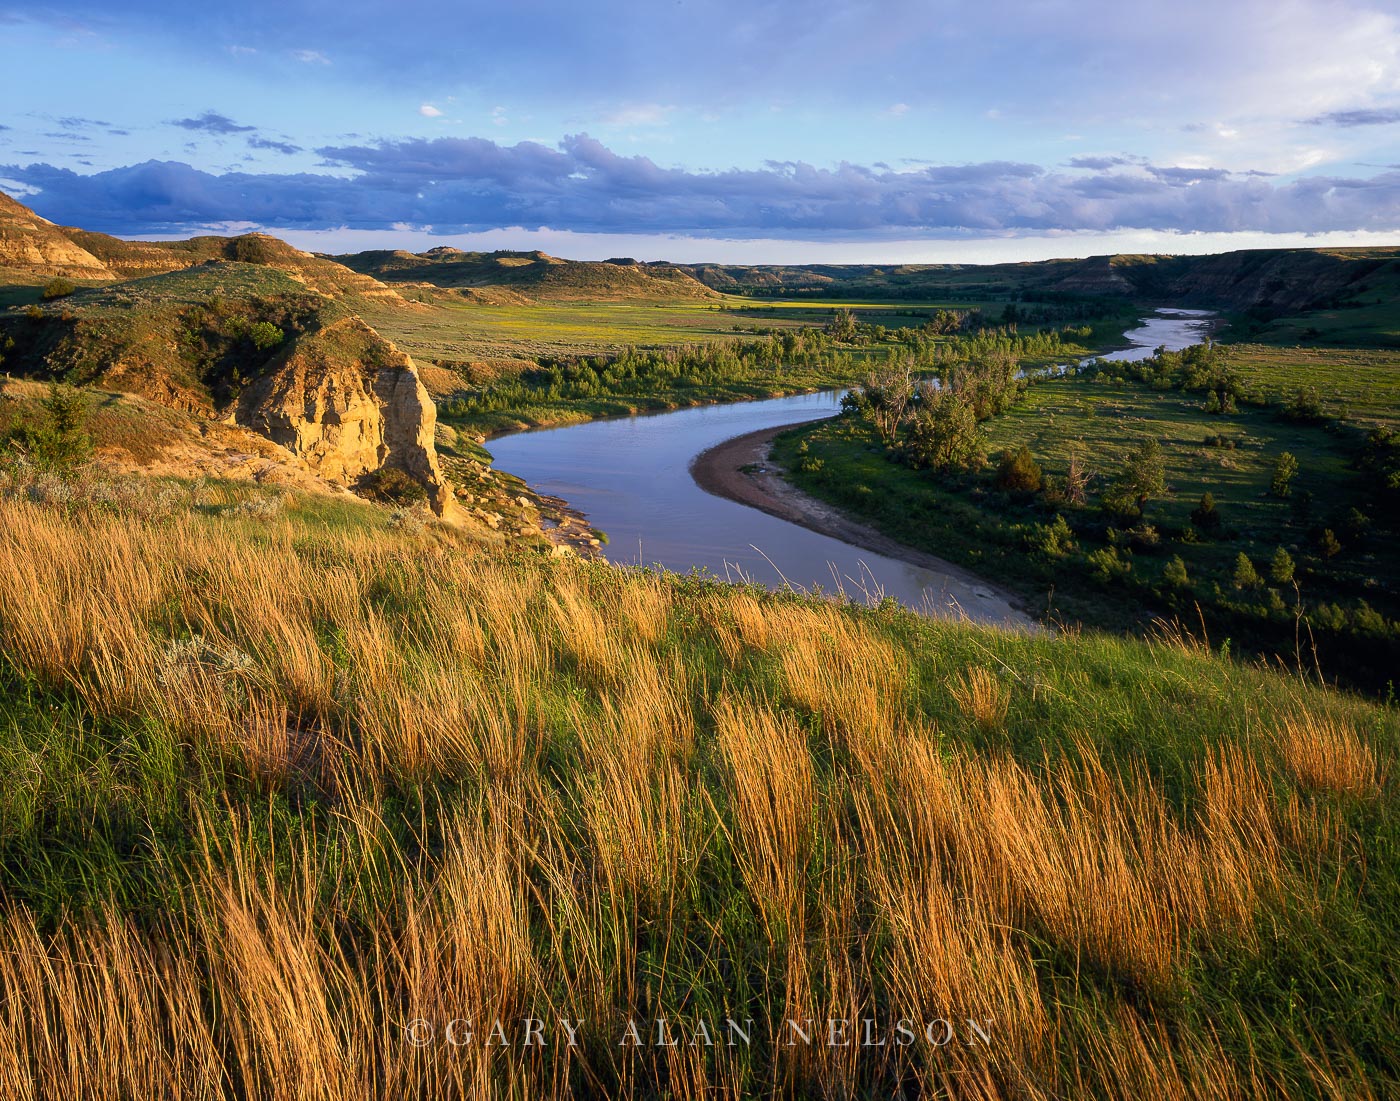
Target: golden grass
x,y
982,698
1325,755
602,785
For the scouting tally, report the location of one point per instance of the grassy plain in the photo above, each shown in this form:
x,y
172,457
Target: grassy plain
x,y
275,790
1359,384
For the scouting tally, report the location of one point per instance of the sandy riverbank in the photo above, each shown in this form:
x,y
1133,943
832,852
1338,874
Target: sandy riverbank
x,y
719,471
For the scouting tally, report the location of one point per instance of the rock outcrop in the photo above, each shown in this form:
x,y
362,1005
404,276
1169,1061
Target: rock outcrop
x,y
347,402
34,244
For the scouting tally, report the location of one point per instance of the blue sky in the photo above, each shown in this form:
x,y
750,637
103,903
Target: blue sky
x,y
724,130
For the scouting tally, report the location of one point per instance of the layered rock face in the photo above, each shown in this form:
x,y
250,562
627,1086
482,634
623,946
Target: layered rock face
x,y
35,244
347,402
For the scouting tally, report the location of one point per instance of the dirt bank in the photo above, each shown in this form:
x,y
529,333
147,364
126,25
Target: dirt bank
x,y
719,471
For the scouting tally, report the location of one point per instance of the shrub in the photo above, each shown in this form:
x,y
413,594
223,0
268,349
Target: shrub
x,y
1285,470
1304,405
1205,517
392,486
1246,576
1019,472
1175,573
265,335
1281,567
58,287
1105,564
60,440
1327,544
1054,540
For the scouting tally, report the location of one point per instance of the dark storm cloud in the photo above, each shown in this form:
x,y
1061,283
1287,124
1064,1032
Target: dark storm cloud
x,y
1357,118
211,122
467,184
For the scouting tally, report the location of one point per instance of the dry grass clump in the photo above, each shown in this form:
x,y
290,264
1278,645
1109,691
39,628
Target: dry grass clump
x,y
773,793
1328,756
982,698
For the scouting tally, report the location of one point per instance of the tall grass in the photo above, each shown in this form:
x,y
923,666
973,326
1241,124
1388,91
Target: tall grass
x,y
269,801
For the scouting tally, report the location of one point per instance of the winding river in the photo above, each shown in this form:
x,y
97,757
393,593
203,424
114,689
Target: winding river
x,y
632,478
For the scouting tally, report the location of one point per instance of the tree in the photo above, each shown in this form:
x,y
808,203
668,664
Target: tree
x,y
1246,576
58,287
842,326
61,441
1281,567
885,396
1175,573
1328,545
1076,479
1144,476
944,435
1285,470
1019,472
1205,516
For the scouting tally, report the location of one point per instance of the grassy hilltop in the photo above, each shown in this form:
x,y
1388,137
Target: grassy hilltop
x,y
275,790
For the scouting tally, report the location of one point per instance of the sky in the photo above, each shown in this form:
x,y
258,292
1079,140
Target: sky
x,y
741,131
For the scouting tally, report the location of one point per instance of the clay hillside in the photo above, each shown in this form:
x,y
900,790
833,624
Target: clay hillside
x,y
1270,280
255,340
518,277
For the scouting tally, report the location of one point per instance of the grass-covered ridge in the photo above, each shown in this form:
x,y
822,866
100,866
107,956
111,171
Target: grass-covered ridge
x,y
274,791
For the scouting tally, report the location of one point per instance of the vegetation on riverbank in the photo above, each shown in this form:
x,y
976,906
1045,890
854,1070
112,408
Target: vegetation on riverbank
x,y
276,791
1179,487
766,363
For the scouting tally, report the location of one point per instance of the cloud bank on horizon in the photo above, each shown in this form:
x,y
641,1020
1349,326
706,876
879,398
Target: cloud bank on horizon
x,y
853,122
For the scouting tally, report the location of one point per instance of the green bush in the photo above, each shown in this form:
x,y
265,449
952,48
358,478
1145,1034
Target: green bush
x,y
58,287
60,440
1105,564
1205,516
1285,470
1246,576
392,486
265,335
1019,472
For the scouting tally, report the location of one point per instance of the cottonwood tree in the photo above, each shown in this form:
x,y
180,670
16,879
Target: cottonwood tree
x,y
943,435
886,394
1144,476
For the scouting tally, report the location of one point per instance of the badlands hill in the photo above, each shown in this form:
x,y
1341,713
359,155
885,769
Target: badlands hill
x,y
523,276
244,331
1277,280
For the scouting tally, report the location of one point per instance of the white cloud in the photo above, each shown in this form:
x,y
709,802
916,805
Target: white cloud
x,y
311,57
428,111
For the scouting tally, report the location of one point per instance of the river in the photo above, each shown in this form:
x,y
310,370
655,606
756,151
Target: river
x,y
631,476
